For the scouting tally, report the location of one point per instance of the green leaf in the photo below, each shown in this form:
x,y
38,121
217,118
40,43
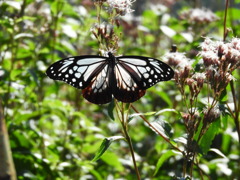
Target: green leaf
x,y
110,110
223,96
105,145
14,73
162,127
165,156
112,160
168,110
208,137
217,151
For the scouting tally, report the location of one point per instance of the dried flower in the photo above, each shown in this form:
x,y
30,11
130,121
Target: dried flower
x,y
211,114
199,77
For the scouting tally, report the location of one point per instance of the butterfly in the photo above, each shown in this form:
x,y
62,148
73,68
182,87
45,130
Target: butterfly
x,y
125,78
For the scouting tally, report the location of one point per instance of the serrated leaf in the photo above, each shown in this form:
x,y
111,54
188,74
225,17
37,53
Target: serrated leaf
x,y
208,137
105,145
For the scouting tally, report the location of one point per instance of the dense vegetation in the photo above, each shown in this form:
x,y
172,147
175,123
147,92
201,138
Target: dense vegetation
x,y
181,129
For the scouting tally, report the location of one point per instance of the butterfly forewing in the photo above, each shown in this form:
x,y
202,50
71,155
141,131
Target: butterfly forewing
x,y
77,71
146,71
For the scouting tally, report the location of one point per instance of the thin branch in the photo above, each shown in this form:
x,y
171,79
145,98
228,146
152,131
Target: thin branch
x,y
150,125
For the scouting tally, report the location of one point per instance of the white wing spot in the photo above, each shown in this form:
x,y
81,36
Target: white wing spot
x,y
150,80
77,75
71,59
66,63
148,68
51,68
75,68
59,74
146,75
155,76
52,72
70,71
82,69
66,76
64,70
80,84
152,72
73,80
162,75
158,71
142,69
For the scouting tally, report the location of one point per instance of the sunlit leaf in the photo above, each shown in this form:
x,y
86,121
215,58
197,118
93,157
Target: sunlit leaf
x,y
105,145
168,31
164,157
163,127
208,137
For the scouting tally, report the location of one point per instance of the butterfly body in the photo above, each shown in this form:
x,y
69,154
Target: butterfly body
x,y
125,78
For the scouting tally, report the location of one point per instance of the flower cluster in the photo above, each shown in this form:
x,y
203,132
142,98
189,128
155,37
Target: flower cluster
x,y
122,7
199,16
216,53
220,59
104,32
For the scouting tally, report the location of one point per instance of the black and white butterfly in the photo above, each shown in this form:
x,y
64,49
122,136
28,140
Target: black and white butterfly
x,y
125,78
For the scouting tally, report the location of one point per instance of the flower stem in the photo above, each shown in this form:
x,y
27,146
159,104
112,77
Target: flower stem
x,y
124,122
225,21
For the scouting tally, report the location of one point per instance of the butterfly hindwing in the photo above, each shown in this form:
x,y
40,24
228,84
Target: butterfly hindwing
x,y
99,90
127,90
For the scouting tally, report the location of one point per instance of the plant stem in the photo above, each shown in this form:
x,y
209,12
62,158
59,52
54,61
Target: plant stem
x,y
132,152
124,124
7,169
225,21
150,125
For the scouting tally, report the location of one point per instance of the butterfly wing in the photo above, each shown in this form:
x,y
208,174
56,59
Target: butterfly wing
x,y
126,89
99,91
134,74
89,73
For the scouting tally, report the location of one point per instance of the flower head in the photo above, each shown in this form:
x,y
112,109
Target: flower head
x,y
199,16
122,7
